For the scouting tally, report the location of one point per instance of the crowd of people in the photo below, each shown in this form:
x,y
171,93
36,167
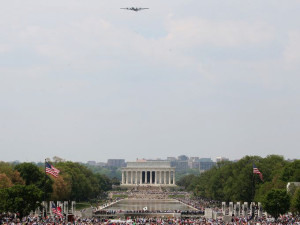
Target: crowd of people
x,y
113,212
195,216
147,192
146,217
201,204
30,220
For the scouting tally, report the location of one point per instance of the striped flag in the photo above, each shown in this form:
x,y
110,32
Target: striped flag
x,y
256,171
53,208
51,169
56,210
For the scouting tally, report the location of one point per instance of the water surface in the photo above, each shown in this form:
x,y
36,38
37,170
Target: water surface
x,y
151,204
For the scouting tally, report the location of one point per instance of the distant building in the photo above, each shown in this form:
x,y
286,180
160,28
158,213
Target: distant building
x,y
221,159
141,160
205,164
193,163
155,160
194,159
180,165
183,158
116,163
92,163
101,164
171,159
154,173
205,160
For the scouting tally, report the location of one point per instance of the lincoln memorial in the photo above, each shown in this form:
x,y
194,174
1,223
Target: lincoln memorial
x,y
148,173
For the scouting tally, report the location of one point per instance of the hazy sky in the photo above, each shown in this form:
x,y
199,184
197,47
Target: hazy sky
x,y
85,80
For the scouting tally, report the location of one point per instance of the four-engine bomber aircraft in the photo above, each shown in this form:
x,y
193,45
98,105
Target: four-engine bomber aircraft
x,y
134,9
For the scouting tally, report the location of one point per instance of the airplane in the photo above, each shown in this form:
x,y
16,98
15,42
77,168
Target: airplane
x,y
134,9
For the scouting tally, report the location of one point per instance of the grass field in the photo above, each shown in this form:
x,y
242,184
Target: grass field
x,y
82,205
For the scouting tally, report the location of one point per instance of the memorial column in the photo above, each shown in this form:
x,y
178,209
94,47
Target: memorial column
x,y
174,177
127,177
122,177
155,177
160,176
131,176
150,176
146,176
165,177
169,177
141,177
136,177
135,180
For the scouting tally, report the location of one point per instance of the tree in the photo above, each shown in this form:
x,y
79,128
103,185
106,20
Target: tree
x,y
186,181
115,181
104,183
85,184
5,182
291,172
16,178
61,189
33,175
30,173
234,181
20,199
295,203
13,175
276,202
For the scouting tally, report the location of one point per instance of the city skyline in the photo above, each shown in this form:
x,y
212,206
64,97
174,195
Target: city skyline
x,y
104,162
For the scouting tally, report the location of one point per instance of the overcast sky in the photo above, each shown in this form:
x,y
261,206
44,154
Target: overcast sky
x,y
85,80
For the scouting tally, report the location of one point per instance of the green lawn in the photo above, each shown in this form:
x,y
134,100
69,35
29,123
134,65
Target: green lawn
x,y
82,205
120,196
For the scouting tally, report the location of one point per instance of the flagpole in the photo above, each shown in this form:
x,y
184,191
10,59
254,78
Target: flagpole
x,y
253,183
45,214
253,191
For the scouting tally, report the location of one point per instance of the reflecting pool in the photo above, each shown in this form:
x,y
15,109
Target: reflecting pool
x,y
151,204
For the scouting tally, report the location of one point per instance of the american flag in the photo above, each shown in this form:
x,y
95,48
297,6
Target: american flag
x,y
53,208
256,171
56,210
51,169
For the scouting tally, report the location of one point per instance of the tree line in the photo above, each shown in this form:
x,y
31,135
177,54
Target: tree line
x,y
25,185
235,181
